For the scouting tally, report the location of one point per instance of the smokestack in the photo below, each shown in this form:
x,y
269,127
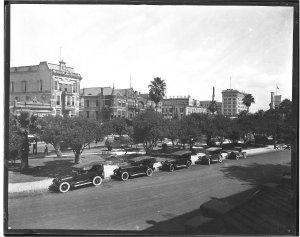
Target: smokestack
x,y
272,101
213,96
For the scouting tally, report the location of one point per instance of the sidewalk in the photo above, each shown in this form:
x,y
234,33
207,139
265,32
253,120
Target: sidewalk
x,y
108,170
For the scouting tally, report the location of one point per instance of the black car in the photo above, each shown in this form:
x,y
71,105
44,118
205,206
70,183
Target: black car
x,y
237,153
178,159
142,166
82,174
212,154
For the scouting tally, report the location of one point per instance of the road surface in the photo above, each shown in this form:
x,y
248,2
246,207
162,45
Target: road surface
x,y
140,203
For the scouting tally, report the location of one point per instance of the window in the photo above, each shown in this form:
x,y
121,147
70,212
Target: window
x,y
68,100
181,110
87,103
12,87
55,85
40,85
97,114
24,86
97,103
58,100
73,101
87,114
171,110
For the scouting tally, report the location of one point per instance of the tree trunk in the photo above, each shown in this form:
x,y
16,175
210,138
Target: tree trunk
x,y
77,157
24,154
57,149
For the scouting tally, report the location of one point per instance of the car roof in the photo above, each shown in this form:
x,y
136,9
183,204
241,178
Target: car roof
x,y
237,147
87,164
214,149
142,158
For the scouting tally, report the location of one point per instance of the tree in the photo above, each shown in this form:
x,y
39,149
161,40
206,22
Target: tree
x,y
148,129
24,124
14,139
52,131
157,90
80,132
248,100
212,106
245,123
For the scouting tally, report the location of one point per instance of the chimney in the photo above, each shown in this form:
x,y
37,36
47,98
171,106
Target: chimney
x,y
213,96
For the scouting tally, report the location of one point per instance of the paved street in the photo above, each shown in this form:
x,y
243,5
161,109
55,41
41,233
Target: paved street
x,y
142,203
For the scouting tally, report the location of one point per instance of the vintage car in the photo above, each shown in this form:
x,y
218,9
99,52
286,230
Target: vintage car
x,y
212,154
82,174
136,168
237,153
177,160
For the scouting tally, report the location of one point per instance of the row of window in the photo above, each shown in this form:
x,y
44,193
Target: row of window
x,y
171,110
69,100
24,86
72,88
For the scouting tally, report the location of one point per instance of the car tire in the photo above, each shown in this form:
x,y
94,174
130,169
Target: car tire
x,y
236,157
188,164
124,176
245,156
171,168
64,187
97,180
149,172
220,159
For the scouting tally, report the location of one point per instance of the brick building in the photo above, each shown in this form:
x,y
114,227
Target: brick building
x,y
180,106
105,103
46,88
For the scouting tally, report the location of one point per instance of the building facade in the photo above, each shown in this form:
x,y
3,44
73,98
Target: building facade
x,y
178,107
206,103
106,103
275,101
46,88
232,101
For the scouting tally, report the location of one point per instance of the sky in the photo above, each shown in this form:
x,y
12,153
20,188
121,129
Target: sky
x,y
193,48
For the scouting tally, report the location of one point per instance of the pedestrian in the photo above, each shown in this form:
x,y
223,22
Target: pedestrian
x,y
46,150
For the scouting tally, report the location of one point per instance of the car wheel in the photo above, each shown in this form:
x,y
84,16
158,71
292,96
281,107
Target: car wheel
x,y
208,161
149,172
171,168
64,187
245,156
188,164
236,157
97,180
124,176
220,159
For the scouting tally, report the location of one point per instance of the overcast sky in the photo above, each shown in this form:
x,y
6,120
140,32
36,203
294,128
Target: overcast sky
x,y
193,48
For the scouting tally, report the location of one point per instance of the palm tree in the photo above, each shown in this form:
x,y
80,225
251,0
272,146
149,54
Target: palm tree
x,y
157,90
248,100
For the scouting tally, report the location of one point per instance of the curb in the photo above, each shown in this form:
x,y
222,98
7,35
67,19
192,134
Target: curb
x,y
108,171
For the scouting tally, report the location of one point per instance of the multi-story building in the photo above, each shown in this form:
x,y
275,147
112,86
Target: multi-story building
x,y
46,88
180,106
219,107
232,101
105,103
275,100
206,103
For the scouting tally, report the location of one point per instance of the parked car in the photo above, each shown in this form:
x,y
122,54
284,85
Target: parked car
x,y
140,167
177,160
82,174
212,154
237,153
